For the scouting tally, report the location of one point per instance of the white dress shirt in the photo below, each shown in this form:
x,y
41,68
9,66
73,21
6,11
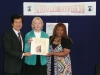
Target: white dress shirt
x,y
16,32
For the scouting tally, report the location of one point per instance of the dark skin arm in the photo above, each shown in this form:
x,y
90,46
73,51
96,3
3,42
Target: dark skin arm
x,y
65,52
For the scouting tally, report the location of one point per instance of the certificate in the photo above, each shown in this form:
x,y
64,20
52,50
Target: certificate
x,y
39,46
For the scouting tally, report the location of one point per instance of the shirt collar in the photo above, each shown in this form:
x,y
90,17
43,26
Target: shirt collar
x,y
16,32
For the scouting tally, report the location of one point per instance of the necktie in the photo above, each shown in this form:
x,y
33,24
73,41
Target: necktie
x,y
19,37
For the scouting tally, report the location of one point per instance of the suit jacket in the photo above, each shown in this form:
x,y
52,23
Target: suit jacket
x,y
13,52
97,69
32,59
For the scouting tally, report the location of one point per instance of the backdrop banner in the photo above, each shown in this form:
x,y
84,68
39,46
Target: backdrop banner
x,y
59,8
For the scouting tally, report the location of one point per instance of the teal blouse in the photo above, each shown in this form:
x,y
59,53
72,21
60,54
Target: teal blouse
x,y
31,60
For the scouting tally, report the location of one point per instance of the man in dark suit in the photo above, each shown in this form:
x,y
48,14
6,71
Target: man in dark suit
x,y
13,43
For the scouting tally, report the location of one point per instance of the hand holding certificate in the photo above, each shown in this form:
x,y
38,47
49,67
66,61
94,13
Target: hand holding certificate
x,y
40,46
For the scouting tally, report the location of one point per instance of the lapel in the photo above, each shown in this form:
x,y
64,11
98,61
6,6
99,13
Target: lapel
x,y
15,37
33,34
41,36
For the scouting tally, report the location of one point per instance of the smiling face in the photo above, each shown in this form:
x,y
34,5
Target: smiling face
x,y
17,24
59,31
37,25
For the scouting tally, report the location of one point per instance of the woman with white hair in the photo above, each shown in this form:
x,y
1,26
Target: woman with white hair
x,y
35,64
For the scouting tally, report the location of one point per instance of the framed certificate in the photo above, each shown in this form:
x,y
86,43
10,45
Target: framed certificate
x,y
39,46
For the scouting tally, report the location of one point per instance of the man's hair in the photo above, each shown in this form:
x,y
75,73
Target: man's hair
x,y
16,16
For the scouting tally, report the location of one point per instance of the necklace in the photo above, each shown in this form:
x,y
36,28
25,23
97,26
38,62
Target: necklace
x,y
57,41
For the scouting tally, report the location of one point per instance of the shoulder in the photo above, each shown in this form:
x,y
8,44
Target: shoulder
x,y
28,33
22,33
50,37
7,32
66,40
44,34
66,43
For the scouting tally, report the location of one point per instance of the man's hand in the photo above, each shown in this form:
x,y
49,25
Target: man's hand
x,y
27,54
29,41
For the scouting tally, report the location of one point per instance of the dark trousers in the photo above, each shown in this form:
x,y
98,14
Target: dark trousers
x,y
35,70
12,73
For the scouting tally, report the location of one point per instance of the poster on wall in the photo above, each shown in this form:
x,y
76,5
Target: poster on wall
x,y
39,46
50,27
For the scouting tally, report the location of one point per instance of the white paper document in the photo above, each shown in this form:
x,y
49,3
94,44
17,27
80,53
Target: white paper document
x,y
40,46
